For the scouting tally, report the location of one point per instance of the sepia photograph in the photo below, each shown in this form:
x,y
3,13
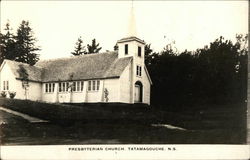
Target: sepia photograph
x,y
119,73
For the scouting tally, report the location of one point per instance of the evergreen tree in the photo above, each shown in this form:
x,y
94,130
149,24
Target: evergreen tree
x,y
79,48
94,47
25,48
148,54
215,74
116,47
7,44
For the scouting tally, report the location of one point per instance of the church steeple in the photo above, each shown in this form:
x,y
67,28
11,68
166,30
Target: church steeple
x,y
132,24
131,45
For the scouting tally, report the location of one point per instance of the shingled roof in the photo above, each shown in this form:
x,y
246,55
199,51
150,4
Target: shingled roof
x,y
35,73
85,67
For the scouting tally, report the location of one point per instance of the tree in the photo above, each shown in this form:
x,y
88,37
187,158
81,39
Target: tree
x,y
215,74
7,44
148,54
163,70
218,63
116,47
241,67
24,76
94,47
79,48
25,48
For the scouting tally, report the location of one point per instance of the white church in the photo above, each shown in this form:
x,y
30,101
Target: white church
x,y
119,76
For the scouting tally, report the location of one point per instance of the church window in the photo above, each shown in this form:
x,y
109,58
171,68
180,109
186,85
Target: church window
x,y
46,87
126,49
71,86
138,70
63,87
139,51
78,85
89,86
5,85
98,85
81,85
67,86
49,87
60,87
74,86
53,87
94,85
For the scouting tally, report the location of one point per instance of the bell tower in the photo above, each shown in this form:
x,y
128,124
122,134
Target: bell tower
x,y
132,46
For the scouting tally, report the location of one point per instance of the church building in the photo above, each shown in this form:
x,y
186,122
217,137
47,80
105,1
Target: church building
x,y
119,76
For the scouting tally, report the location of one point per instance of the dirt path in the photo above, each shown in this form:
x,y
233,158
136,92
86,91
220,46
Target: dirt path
x,y
168,126
25,116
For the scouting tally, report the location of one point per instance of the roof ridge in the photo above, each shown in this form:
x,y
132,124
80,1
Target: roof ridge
x,y
23,63
94,66
74,57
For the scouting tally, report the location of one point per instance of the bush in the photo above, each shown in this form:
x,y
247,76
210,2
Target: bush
x,y
3,94
12,94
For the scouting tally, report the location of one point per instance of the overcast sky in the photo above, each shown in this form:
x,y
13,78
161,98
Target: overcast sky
x,y
191,24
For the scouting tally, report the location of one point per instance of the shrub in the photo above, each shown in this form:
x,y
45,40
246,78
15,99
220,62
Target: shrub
x,y
12,94
3,94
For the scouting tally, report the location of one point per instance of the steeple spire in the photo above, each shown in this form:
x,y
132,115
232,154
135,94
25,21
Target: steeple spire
x,y
131,45
131,24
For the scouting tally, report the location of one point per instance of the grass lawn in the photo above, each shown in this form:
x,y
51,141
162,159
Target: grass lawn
x,y
209,125
20,132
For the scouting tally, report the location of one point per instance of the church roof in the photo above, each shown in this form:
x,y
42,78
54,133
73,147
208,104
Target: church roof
x,y
35,73
132,38
84,67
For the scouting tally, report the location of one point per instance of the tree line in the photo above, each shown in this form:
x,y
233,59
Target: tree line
x,y
80,49
21,46
216,73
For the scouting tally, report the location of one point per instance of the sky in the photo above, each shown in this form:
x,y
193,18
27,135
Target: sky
x,y
190,24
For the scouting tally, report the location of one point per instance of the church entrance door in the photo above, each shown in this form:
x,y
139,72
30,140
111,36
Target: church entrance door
x,y
138,92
